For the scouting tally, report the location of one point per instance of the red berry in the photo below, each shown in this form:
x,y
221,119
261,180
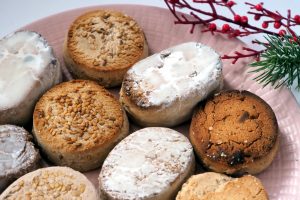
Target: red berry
x,y
230,3
225,28
295,39
244,19
297,19
277,25
259,7
212,27
265,24
257,17
236,32
282,32
237,18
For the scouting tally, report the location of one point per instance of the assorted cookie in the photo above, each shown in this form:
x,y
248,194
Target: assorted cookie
x,y
51,183
102,45
28,68
163,89
80,124
210,185
77,123
151,163
235,132
18,155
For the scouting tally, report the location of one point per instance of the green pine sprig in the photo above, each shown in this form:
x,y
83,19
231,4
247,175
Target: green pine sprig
x,y
280,63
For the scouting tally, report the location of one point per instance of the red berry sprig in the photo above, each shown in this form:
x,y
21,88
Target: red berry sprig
x,y
284,24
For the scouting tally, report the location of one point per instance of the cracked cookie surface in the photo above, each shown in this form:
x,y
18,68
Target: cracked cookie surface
x,y
216,186
233,131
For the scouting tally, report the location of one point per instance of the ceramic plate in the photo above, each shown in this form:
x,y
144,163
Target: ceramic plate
x,y
282,178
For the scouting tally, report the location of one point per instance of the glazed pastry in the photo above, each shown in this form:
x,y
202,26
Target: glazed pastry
x,y
151,163
51,183
210,185
102,45
235,132
163,89
77,123
18,155
28,68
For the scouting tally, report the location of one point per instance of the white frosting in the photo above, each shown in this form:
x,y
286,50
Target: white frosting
x,y
176,72
145,164
23,58
27,69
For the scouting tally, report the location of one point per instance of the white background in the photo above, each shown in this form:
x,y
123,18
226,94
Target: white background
x,y
17,13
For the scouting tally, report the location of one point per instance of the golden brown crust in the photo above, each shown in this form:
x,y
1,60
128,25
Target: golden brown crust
x,y
216,186
77,121
104,43
51,183
234,132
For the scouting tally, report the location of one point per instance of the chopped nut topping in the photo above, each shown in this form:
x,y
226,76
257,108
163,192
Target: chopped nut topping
x,y
100,33
80,116
48,184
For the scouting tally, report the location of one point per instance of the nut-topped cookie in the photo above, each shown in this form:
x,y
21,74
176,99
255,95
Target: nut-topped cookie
x,y
51,183
102,45
235,132
77,123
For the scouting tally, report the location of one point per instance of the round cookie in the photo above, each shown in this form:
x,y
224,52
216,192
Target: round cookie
x,y
51,183
216,186
163,89
151,163
77,123
18,155
102,45
28,68
235,132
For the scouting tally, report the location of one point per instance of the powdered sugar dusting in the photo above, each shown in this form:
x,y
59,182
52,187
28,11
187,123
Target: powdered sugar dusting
x,y
177,72
23,58
145,163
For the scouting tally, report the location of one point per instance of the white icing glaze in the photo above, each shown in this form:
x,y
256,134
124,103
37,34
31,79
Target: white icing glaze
x,y
23,58
12,147
185,68
145,164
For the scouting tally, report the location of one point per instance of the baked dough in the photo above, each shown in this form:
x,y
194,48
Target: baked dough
x,y
163,89
235,132
214,186
51,183
77,123
18,155
151,163
102,45
28,68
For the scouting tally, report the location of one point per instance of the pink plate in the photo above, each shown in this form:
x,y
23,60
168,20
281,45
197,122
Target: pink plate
x,y
282,178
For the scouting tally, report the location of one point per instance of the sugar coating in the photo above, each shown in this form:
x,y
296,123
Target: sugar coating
x,y
15,148
24,56
176,72
145,164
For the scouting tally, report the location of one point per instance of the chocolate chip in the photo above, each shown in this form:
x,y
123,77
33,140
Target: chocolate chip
x,y
244,117
237,158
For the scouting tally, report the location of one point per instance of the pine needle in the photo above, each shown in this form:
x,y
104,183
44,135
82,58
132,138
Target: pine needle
x,y
280,62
